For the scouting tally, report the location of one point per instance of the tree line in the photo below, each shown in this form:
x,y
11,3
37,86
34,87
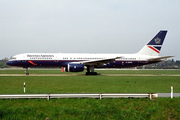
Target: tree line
x,y
3,63
166,64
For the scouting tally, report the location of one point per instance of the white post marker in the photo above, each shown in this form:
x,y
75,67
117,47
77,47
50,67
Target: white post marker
x,y
24,87
150,96
171,92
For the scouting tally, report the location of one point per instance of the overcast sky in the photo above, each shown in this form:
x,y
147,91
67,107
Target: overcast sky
x,y
88,26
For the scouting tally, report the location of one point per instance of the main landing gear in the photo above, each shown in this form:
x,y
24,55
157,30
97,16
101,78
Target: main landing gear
x,y
27,73
90,71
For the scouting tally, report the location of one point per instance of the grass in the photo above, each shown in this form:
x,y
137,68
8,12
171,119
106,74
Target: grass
x,y
133,109
89,84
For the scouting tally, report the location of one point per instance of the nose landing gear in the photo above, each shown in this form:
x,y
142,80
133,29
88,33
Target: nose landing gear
x,y
26,71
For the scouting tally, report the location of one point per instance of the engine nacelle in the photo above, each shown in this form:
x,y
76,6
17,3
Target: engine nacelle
x,y
75,67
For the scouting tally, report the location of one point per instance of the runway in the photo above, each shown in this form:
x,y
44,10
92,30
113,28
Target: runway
x,y
93,75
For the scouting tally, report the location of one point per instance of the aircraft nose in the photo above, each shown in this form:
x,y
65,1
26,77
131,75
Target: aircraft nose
x,y
9,63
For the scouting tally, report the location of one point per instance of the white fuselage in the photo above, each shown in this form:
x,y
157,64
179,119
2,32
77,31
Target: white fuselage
x,y
62,59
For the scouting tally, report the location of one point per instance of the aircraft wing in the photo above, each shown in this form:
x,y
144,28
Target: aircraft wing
x,y
99,62
159,58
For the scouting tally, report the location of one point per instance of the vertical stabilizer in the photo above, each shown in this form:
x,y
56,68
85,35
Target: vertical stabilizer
x,y
153,47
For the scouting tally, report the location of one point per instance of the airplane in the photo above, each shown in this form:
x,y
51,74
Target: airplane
x,y
78,62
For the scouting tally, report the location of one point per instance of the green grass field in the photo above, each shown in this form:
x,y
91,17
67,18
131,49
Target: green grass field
x,y
159,108
105,109
89,84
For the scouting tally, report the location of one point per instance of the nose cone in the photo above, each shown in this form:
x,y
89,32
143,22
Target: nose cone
x,y
10,63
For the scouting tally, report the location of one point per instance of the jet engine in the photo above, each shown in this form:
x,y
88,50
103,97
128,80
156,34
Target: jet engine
x,y
75,67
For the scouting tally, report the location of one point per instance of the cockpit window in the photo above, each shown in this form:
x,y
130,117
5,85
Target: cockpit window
x,y
13,58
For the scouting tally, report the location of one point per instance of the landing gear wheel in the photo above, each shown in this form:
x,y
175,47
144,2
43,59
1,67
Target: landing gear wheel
x,y
95,73
91,73
87,73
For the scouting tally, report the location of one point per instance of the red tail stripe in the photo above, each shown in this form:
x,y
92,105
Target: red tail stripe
x,y
31,62
154,49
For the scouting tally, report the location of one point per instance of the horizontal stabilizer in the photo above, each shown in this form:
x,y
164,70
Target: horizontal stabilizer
x,y
159,58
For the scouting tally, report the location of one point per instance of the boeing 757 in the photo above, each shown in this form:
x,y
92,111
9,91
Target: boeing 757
x,y
77,62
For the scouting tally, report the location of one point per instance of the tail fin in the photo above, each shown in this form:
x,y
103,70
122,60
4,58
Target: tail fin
x,y
153,47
